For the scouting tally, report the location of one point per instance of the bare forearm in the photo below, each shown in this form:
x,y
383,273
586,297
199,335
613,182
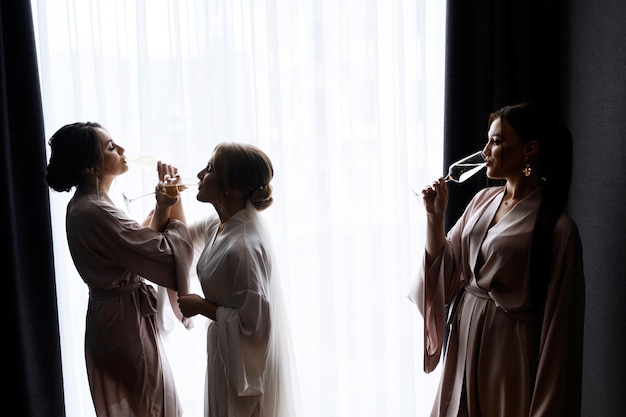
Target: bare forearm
x,y
160,218
210,310
435,237
177,212
193,304
435,197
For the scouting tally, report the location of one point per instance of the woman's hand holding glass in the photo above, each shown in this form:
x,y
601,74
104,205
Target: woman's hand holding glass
x,y
170,185
164,192
168,189
435,198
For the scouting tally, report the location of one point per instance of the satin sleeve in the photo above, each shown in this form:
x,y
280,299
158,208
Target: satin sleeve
x,y
202,231
106,243
430,294
436,285
244,331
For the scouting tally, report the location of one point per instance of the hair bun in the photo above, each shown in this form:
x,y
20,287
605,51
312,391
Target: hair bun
x,y
261,198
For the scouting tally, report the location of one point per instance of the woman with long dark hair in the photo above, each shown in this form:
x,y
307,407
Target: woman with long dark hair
x,y
511,270
127,369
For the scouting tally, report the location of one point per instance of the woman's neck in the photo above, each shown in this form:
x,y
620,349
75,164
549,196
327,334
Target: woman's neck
x,y
101,184
515,191
226,211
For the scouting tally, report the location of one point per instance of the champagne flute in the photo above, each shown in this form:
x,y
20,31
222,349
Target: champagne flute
x,y
463,169
173,187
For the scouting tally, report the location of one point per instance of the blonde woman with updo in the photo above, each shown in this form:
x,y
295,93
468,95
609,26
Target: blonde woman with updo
x,y
249,370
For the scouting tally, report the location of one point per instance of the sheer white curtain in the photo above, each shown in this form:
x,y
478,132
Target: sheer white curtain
x,y
345,96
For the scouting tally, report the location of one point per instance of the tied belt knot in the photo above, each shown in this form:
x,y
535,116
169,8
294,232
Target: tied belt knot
x,y
521,315
478,292
145,292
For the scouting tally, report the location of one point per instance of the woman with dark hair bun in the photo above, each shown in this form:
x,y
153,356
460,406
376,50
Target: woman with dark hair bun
x,y
511,271
127,370
250,372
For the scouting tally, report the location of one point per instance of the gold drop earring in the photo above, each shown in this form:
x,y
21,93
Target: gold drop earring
x,y
527,169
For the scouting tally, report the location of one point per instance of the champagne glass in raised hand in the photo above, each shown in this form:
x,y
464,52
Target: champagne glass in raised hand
x,y
465,168
173,187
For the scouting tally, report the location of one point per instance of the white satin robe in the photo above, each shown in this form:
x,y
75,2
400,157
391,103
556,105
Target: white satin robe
x,y
247,360
500,360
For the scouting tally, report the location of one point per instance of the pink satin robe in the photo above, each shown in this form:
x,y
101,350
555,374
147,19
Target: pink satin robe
x,y
127,370
501,361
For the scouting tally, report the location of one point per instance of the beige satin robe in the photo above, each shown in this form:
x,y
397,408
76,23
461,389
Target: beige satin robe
x,y
500,360
128,372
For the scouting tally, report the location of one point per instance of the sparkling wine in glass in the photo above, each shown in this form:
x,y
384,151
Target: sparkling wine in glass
x,y
172,189
465,168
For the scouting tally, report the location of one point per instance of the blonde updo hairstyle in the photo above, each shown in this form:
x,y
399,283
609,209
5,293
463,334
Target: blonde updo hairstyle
x,y
245,168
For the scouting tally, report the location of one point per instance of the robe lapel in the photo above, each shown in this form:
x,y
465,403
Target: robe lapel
x,y
481,227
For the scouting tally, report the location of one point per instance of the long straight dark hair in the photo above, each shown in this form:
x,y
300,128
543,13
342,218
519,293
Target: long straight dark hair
x,y
554,164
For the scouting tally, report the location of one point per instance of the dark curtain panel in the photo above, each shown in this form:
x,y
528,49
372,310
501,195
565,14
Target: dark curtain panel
x,y
498,52
35,384
594,52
